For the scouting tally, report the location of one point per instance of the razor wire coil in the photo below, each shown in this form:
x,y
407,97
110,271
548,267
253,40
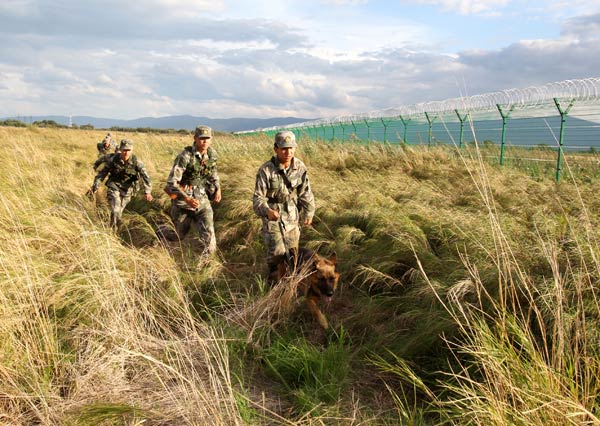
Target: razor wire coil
x,y
528,99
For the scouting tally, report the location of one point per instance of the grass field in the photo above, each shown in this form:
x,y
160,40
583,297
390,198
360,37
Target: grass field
x,y
468,293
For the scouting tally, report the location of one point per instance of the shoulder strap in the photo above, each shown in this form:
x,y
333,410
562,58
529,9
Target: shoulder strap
x,y
287,182
281,172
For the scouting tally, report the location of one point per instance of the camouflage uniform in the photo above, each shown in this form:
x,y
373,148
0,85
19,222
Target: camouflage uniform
x,y
103,160
121,183
106,148
194,175
287,191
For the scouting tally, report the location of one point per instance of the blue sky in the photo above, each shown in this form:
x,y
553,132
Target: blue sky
x,y
311,58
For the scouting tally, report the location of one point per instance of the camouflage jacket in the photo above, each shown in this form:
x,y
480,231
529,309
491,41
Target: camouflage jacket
x,y
103,160
103,150
123,175
287,191
193,175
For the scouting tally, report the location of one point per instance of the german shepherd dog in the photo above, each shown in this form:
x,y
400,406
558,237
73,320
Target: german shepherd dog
x,y
318,278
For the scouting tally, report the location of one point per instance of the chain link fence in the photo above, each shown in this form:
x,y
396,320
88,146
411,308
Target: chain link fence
x,y
559,117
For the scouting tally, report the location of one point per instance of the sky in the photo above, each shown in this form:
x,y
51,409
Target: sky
x,y
279,58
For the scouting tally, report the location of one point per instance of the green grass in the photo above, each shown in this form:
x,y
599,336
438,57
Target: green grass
x,y
310,375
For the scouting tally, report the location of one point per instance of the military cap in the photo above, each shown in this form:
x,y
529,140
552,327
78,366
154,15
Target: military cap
x,y
203,132
285,139
126,144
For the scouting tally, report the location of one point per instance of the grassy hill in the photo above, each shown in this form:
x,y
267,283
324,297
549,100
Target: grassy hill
x,y
468,293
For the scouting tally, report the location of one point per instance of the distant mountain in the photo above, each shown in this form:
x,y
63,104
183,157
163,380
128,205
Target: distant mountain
x,y
170,122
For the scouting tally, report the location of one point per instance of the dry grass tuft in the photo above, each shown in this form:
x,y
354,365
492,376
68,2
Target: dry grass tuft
x,y
273,308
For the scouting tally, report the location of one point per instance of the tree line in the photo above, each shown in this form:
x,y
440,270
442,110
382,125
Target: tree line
x,y
54,124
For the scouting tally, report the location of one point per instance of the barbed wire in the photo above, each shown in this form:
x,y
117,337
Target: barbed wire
x,y
532,101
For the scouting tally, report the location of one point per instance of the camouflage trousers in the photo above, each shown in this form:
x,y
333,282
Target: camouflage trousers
x,y
274,240
201,218
118,200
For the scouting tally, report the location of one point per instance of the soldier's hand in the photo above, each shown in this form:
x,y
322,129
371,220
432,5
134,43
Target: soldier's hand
x,y
307,222
218,197
148,197
192,202
273,214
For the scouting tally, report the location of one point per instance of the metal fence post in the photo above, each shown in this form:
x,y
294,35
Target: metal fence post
x,y
384,129
354,127
504,118
430,121
368,130
332,132
462,127
563,118
405,124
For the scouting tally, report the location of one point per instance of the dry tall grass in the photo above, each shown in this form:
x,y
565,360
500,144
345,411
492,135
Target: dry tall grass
x,y
526,351
97,327
532,347
91,329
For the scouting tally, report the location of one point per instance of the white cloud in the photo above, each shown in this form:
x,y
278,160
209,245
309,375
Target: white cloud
x,y
190,5
162,57
468,7
182,7
223,46
334,45
14,87
16,7
573,7
345,2
586,27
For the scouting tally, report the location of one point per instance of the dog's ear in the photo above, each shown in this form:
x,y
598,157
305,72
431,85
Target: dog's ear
x,y
333,258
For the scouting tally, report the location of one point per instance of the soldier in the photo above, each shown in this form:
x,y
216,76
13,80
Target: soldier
x,y
123,171
283,199
192,184
107,146
106,150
